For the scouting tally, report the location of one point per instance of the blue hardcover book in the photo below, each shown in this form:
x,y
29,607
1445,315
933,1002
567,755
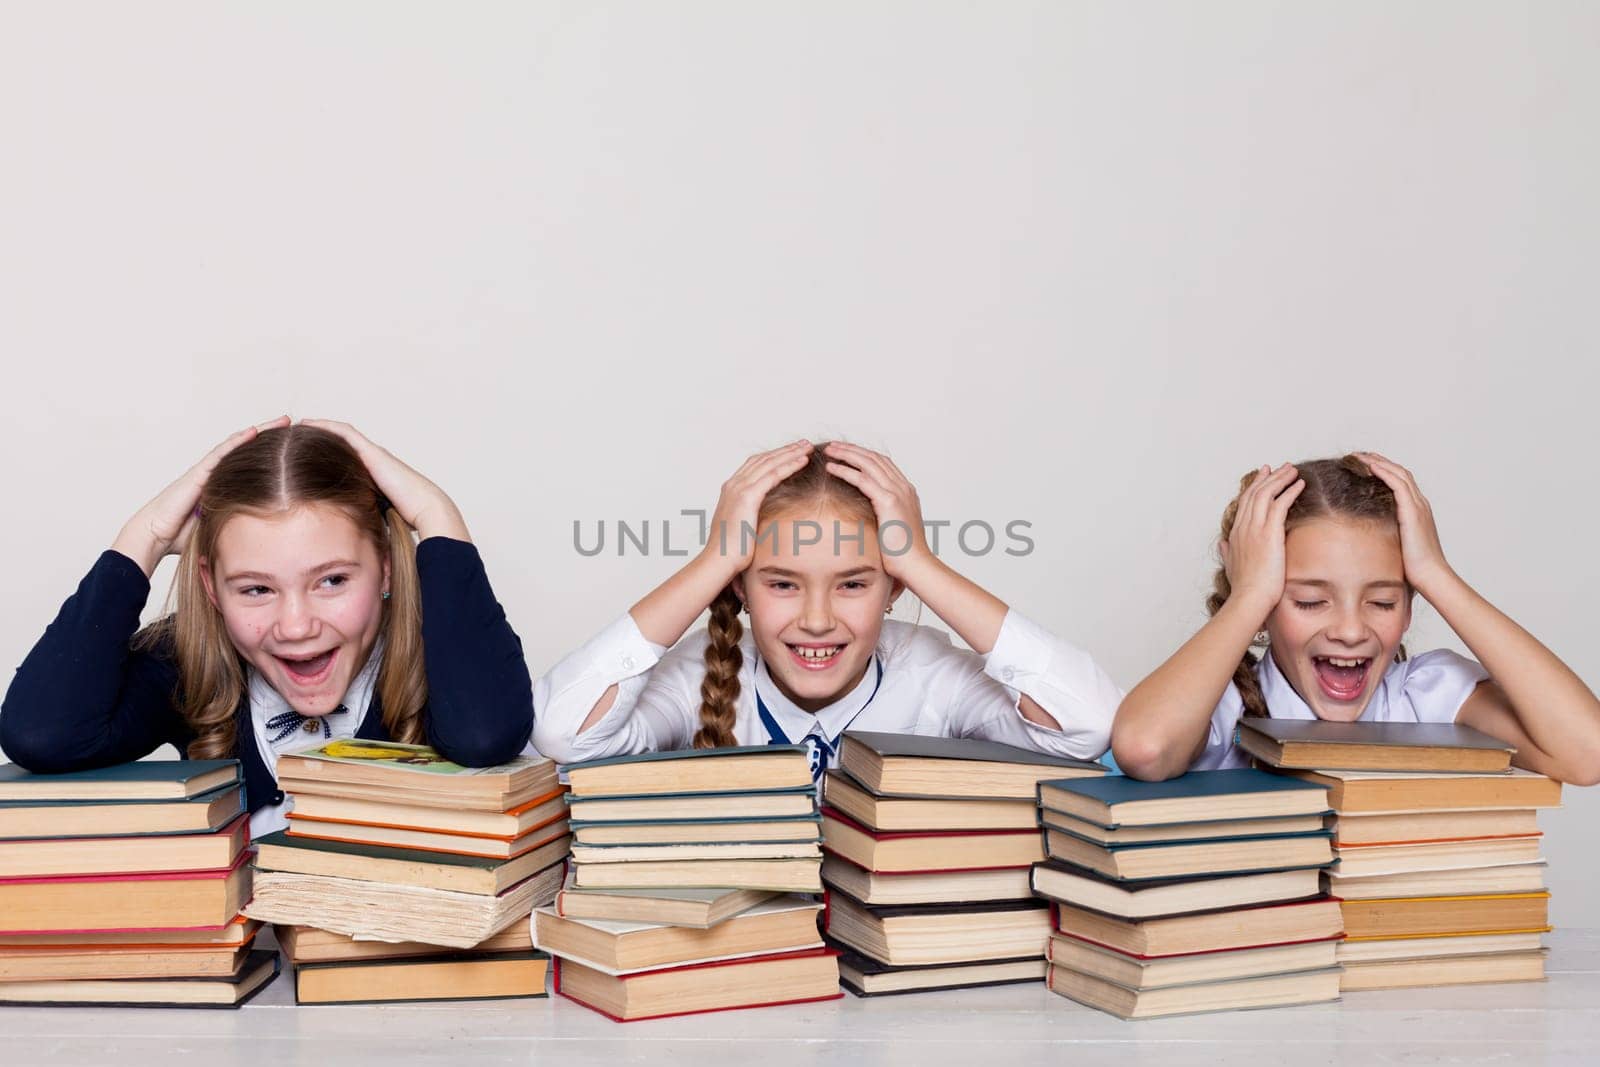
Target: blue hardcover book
x,y
140,780
745,768
1116,801
23,819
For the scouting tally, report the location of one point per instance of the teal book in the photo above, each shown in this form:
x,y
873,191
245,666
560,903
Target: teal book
x,y
737,769
1115,801
203,813
140,780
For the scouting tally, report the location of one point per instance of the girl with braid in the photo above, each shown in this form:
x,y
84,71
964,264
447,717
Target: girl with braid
x,y
1320,563
795,546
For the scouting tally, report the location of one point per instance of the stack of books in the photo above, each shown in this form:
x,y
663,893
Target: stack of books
x,y
1438,847
1201,893
392,843
929,842
684,894
124,886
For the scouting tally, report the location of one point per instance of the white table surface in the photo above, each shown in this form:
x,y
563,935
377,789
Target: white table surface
x,y
1557,1021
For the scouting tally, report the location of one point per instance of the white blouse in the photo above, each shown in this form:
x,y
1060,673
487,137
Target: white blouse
x,y
1430,687
928,686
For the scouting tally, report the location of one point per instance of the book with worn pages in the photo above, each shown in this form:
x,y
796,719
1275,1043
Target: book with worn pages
x,y
256,971
751,982
782,924
1315,744
480,976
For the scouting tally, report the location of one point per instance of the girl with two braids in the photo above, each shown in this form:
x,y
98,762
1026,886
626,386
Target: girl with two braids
x,y
306,609
1320,562
794,548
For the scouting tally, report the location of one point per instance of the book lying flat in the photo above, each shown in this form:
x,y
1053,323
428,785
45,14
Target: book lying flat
x,y
1363,860
915,765
1170,896
846,795
1416,827
492,848
1313,744
932,887
939,933
1135,972
1372,950
697,770
204,812
782,924
413,774
240,931
389,912
755,982
44,965
666,807
1360,792
727,850
698,908
279,851
1272,991
542,810
1506,878
1118,801
784,876
928,850
1419,916
496,976
307,944
46,857
1208,931
1239,855
698,831
89,902
258,971
1179,831
866,977
140,780
1449,970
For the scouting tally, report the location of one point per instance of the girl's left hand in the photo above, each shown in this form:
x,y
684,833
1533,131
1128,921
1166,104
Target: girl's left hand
x,y
1420,550
893,498
423,505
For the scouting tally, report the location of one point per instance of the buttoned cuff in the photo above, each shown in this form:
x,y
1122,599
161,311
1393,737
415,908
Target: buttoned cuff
x,y
1021,652
620,651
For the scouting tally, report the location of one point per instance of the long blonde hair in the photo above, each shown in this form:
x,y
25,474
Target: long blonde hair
x,y
1344,488
810,487
279,470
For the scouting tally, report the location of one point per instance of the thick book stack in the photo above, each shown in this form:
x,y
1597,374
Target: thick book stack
x,y
1438,846
124,885
684,891
1197,894
929,842
392,843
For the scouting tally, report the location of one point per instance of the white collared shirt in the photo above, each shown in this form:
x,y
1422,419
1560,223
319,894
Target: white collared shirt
x,y
929,686
1430,687
266,702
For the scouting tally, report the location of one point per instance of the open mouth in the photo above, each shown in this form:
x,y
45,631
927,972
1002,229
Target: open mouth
x,y
815,657
309,670
1341,677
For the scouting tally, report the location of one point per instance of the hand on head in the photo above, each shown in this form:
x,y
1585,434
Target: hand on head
x,y
421,503
1420,549
894,501
1253,555
731,537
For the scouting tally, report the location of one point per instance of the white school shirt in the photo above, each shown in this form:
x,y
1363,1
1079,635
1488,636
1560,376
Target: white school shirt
x,y
929,686
266,702
1430,687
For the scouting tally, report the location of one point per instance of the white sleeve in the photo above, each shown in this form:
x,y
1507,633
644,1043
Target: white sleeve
x,y
649,714
1437,683
1061,678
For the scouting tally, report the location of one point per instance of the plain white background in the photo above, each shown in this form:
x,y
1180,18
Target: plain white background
x,y
1078,264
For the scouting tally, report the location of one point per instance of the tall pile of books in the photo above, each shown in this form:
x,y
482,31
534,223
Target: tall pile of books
x,y
394,856
1201,893
123,886
929,842
1438,846
685,888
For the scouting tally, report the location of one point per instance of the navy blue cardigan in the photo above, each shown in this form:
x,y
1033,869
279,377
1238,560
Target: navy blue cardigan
x,y
86,698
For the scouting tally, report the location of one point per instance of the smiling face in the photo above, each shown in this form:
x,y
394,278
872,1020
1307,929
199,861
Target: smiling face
x,y
816,608
301,595
1344,610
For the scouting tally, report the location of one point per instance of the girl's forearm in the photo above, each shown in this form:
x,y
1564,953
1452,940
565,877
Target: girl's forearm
x,y
965,606
668,610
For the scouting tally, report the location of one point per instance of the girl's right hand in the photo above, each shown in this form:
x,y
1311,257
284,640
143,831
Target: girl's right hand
x,y
163,525
1253,554
730,541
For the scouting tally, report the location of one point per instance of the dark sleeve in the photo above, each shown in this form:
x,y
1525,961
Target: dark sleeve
x,y
84,697
480,698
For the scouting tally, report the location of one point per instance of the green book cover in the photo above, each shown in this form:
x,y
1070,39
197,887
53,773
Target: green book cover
x,y
394,755
282,839
139,780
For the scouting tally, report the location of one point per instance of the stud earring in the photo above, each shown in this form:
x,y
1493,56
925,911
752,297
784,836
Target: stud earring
x,y
1262,638
889,610
386,594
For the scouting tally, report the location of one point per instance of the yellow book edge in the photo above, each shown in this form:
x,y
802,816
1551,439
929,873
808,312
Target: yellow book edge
x,y
1462,933
1469,896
